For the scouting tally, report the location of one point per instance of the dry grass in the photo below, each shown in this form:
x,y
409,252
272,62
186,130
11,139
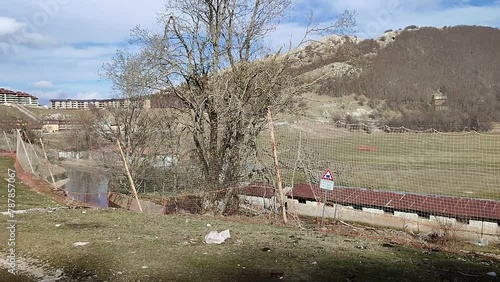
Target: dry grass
x,y
172,249
126,246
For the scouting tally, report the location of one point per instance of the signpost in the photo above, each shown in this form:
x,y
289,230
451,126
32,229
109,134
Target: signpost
x,y
326,183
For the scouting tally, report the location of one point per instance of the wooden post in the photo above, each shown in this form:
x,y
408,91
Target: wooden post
x,y
50,171
25,152
324,207
276,165
129,175
8,143
29,141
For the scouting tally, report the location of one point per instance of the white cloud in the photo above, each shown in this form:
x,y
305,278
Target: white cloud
x,y
88,20
46,95
43,84
287,34
35,40
15,34
88,95
9,26
376,16
68,41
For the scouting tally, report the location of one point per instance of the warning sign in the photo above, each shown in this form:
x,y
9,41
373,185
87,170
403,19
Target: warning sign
x,y
327,181
327,175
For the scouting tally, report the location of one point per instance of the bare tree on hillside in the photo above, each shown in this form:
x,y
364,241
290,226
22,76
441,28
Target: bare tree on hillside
x,y
144,134
211,56
83,137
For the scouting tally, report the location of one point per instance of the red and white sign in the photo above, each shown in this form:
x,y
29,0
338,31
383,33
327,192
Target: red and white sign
x,y
327,175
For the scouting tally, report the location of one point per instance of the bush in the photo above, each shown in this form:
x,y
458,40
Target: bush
x,y
446,121
337,117
351,119
411,27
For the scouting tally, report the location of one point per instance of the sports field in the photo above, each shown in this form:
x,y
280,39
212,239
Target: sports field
x,y
457,164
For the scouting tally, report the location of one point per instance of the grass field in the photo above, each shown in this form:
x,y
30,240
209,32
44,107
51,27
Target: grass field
x,y
135,247
25,198
126,246
463,164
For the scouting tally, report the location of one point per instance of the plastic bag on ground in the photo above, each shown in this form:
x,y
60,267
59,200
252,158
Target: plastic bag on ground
x,y
215,237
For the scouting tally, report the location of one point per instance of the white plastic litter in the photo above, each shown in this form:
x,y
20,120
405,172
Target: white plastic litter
x,y
79,244
215,237
493,274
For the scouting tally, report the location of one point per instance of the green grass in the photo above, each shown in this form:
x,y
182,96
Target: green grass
x,y
172,248
25,198
446,164
6,276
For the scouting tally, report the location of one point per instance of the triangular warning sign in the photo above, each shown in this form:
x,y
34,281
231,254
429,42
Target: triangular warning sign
x,y
327,175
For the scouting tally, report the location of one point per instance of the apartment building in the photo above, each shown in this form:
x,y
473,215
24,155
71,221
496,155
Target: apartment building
x,y
17,97
86,104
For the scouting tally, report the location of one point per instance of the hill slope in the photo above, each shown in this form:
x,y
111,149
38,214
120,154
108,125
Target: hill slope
x,y
446,78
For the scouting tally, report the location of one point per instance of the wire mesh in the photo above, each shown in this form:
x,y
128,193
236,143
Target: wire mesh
x,y
429,173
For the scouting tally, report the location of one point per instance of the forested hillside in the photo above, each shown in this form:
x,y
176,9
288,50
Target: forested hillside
x,y
448,78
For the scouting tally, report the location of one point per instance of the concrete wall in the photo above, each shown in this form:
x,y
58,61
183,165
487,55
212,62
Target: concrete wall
x,y
472,230
129,203
260,202
72,155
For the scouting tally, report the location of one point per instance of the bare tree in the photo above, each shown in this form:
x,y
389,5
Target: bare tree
x,y
145,135
82,137
211,55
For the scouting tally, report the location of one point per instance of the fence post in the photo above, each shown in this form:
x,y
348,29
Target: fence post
x,y
29,142
48,165
8,143
129,175
25,151
276,165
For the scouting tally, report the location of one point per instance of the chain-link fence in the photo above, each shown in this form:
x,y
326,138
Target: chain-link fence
x,y
453,177
7,142
33,159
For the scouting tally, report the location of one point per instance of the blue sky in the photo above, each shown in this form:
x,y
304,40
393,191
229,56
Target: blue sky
x,y
56,48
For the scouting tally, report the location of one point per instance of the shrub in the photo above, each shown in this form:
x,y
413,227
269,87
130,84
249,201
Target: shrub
x,y
351,119
411,27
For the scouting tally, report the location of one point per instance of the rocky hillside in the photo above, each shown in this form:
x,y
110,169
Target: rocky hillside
x,y
445,78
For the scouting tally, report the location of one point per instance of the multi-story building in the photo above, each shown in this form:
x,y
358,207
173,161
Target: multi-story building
x,y
17,97
86,104
158,100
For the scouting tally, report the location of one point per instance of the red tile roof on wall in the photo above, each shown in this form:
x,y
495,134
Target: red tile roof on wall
x,y
465,208
16,93
263,190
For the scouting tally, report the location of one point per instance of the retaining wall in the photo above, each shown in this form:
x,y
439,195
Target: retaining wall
x,y
471,230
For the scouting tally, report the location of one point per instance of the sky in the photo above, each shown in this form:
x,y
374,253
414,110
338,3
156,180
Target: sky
x,y
55,49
